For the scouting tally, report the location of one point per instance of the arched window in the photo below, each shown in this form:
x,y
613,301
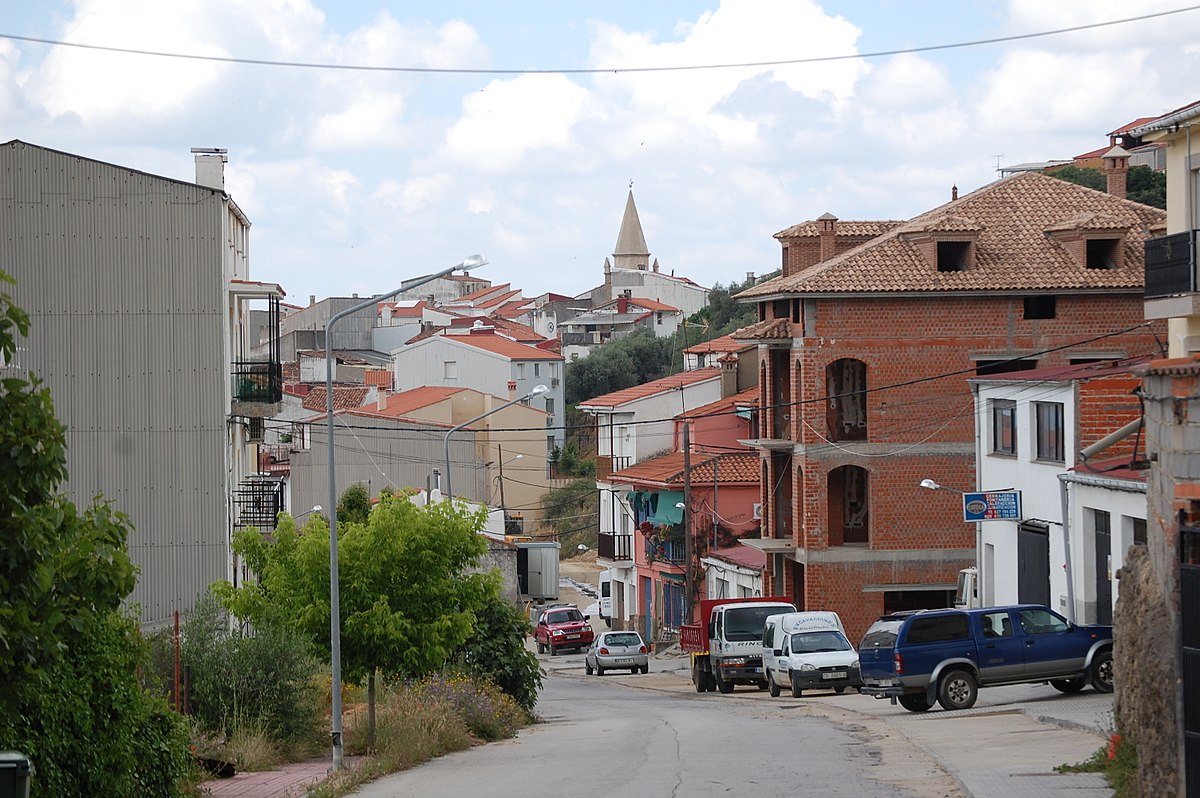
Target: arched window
x,y
849,520
846,389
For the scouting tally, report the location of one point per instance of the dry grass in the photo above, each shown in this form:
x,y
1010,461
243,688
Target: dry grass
x,y
251,748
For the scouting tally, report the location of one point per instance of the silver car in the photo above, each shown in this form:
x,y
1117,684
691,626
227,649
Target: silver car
x,y
617,651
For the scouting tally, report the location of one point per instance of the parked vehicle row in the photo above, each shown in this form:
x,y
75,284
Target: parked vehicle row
x,y
915,658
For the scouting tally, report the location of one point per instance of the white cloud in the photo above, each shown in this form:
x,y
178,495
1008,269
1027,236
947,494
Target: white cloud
x,y
413,194
510,118
372,119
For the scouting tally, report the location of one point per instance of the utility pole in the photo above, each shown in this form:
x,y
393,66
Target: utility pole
x,y
688,578
500,460
716,460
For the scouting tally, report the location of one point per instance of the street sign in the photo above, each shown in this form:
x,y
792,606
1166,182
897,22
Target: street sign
x,y
996,505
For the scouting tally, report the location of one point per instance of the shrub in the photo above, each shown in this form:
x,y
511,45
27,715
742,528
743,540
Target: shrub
x,y
264,681
90,729
487,711
496,652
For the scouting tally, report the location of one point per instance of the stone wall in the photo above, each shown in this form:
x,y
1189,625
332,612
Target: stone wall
x,y
1143,659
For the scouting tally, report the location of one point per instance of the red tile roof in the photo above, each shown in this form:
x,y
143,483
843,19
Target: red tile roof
x,y
653,304
345,397
1077,371
506,347
845,229
499,299
672,383
745,556
771,329
1114,468
403,310
399,404
467,299
725,343
733,469
1010,219
747,398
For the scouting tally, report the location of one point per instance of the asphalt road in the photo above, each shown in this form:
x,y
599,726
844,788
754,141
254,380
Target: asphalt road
x,y
603,738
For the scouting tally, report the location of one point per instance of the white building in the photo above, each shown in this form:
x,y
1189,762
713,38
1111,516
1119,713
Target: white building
x,y
1030,429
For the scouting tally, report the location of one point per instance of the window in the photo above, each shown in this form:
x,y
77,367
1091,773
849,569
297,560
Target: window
x,y
1048,420
520,371
450,369
952,255
658,318
549,410
996,624
1040,307
1139,531
537,369
1102,253
938,628
846,389
1004,426
994,366
1041,622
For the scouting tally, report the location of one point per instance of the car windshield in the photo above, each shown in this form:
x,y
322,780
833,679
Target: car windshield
x,y
882,634
747,623
566,616
623,639
812,642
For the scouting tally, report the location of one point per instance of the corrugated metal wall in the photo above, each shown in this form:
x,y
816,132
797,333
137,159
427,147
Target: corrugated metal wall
x,y
382,453
121,274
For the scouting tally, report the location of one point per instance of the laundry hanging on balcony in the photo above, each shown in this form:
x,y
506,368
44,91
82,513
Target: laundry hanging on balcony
x,y
657,507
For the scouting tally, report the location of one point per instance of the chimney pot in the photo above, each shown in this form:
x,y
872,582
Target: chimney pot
x,y
210,166
953,193
312,299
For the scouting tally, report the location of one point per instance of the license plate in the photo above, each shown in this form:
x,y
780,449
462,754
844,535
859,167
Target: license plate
x,y
572,637
756,670
834,675
624,660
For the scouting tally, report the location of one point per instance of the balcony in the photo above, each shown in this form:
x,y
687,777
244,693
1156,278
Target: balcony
x,y
615,547
666,550
607,465
257,381
258,500
1170,265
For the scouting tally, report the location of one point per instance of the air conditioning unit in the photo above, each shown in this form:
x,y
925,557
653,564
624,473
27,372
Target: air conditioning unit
x,y
255,430
757,511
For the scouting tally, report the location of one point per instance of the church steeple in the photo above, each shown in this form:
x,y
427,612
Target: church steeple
x,y
631,251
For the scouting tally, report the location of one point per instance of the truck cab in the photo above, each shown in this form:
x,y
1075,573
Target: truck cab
x,y
726,647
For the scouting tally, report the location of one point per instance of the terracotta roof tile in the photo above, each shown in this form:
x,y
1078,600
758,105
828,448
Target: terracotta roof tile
x,y
345,397
467,299
771,329
399,404
506,347
1012,250
672,383
745,556
732,469
747,398
725,343
845,229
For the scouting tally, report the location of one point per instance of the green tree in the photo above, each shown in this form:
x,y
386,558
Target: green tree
x,y
407,591
68,658
1147,186
355,505
1082,176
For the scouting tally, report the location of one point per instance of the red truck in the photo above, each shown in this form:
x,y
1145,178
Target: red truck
x,y
726,646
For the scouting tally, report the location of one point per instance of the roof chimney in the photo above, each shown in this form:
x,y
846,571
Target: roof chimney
x,y
623,303
729,374
750,277
312,299
828,235
381,401
210,166
1116,164
953,193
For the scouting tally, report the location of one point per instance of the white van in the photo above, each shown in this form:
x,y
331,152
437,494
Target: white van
x,y
807,651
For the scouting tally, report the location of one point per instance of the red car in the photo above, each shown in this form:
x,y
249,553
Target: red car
x,y
562,627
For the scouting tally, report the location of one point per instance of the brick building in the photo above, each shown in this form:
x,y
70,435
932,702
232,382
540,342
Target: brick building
x,y
867,340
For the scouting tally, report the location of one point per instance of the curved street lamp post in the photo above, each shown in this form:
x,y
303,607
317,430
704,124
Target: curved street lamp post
x,y
335,623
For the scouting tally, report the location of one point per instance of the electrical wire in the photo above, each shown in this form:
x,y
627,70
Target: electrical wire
x,y
591,70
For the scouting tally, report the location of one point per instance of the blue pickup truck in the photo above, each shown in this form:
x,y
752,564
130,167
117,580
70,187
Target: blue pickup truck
x,y
947,655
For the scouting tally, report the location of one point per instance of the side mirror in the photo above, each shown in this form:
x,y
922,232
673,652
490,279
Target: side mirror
x,y
587,617
777,652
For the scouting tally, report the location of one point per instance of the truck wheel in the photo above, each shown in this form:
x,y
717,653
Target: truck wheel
x,y
914,703
722,685
710,683
541,647
1102,672
1069,685
646,668
699,678
774,688
957,690
839,690
797,690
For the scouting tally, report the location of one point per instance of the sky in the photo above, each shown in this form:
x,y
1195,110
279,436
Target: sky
x,y
524,140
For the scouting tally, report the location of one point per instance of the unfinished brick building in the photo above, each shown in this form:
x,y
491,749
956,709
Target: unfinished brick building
x,y
867,340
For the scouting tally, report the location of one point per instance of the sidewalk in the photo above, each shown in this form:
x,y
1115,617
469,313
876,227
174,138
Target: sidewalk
x,y
290,781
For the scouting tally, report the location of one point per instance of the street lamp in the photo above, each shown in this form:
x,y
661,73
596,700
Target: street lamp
x,y
929,484
335,621
537,390
316,508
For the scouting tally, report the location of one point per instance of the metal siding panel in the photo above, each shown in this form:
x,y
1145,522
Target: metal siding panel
x,y
122,275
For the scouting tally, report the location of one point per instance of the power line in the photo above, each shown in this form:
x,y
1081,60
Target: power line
x,y
591,70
